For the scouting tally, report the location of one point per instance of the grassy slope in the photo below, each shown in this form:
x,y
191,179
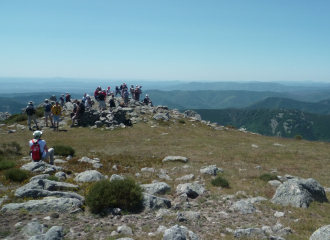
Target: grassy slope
x,y
143,146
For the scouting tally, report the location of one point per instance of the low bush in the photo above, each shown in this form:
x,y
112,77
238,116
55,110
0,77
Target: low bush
x,y
6,164
16,118
125,194
268,177
10,148
298,137
40,112
220,182
63,150
53,178
16,175
182,121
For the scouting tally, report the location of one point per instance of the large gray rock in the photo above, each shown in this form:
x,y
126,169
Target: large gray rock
x,y
55,233
245,207
210,170
46,185
186,177
60,175
39,193
192,190
161,116
116,177
39,167
125,230
257,233
192,114
33,228
179,233
156,188
299,193
175,159
41,176
68,106
153,202
89,176
322,233
45,205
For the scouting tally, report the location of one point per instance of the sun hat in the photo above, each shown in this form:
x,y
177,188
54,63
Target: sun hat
x,y
46,100
30,102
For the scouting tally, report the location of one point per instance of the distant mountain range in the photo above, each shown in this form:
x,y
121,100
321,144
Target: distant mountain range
x,y
273,122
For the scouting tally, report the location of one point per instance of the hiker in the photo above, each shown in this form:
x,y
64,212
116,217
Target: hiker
x,y
126,97
140,91
117,90
137,93
31,113
112,102
62,100
96,94
109,91
123,90
131,90
48,112
74,110
67,97
80,111
88,102
39,149
102,100
147,100
56,110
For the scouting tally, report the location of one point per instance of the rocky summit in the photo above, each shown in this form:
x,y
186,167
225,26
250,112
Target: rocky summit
x,y
198,180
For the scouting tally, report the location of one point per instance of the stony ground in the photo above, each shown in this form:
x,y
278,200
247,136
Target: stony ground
x,y
243,157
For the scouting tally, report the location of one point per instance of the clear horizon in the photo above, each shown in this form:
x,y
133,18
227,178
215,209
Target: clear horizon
x,y
239,41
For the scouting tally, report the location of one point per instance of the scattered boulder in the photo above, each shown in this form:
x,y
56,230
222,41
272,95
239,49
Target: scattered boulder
x,y
210,170
186,177
55,233
274,183
41,176
33,228
299,193
125,230
321,233
45,205
116,177
39,167
175,159
250,232
89,176
192,190
156,188
161,116
153,202
192,215
179,233
39,193
146,169
61,176
192,114
46,185
243,206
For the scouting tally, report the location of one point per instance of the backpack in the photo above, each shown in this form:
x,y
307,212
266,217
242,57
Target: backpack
x,y
30,110
126,94
35,150
62,99
47,107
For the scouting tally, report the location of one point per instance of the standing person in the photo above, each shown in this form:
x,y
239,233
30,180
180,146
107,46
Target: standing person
x,y
56,110
62,100
108,91
140,91
48,112
112,102
101,101
126,97
137,93
67,97
117,90
80,111
39,149
132,91
96,94
87,101
31,113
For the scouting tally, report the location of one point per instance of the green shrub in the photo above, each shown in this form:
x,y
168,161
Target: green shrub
x,y
125,194
63,150
298,137
16,175
10,148
182,121
40,112
268,177
220,182
161,122
53,178
16,118
6,164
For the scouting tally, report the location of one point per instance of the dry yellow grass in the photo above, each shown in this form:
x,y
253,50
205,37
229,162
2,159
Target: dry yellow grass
x,y
143,146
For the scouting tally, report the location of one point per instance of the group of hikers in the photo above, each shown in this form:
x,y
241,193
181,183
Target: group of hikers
x,y
100,95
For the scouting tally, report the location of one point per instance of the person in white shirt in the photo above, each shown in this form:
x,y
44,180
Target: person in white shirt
x,y
44,150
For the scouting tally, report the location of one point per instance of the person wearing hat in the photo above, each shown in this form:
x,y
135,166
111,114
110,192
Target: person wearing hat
x,y
147,100
137,93
48,112
31,113
62,100
56,110
41,146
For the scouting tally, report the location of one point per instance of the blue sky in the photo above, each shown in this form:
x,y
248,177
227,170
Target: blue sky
x,y
234,40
